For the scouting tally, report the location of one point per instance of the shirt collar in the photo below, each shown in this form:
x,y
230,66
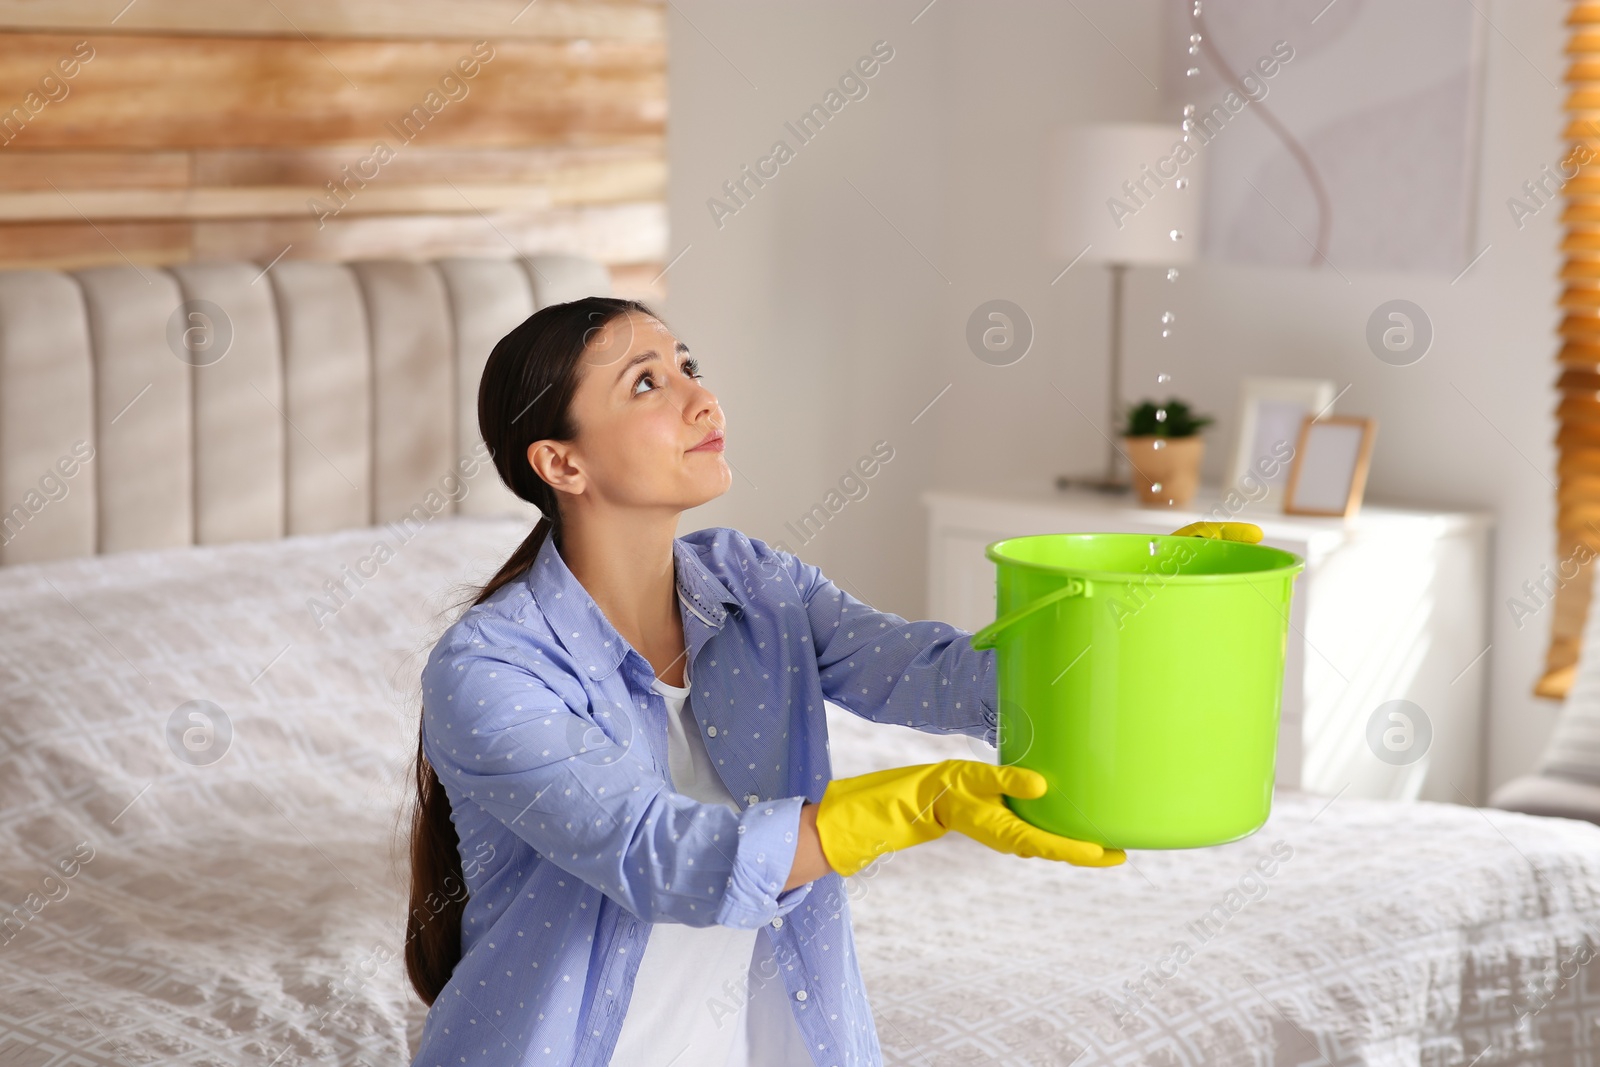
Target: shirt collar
x,y
585,631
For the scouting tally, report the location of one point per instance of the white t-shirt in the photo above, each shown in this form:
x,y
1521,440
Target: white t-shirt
x,y
688,1005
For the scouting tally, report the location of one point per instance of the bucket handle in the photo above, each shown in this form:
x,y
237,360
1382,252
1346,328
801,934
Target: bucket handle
x,y
985,638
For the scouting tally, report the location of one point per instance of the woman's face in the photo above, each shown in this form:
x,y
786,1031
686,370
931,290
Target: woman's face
x,y
640,413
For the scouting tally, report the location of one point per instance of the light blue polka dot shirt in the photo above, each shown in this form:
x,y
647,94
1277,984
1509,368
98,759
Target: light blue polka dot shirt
x,y
552,747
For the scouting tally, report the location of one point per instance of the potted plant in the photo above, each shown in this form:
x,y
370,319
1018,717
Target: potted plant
x,y
1164,446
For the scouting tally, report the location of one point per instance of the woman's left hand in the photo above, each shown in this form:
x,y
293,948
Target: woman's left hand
x,y
1222,531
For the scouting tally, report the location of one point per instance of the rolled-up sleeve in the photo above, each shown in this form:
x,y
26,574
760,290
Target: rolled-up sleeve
x,y
925,674
564,780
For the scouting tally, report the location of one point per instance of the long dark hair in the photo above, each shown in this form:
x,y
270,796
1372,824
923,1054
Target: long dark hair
x,y
525,395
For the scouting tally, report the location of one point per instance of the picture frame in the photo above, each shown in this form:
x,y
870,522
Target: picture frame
x,y
1328,475
1271,411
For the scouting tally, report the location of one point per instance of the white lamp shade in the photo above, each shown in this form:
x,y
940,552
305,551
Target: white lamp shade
x,y
1113,187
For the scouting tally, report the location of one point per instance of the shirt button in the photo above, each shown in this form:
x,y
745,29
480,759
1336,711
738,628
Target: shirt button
x,y
777,924
711,731
751,798
800,994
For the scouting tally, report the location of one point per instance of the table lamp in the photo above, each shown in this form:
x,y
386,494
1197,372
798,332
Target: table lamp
x,y
1114,198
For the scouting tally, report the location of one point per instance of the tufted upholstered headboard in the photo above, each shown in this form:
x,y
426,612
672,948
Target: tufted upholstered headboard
x,y
345,396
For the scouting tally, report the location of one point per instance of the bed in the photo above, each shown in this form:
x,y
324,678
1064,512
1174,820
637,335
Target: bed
x,y
246,908
208,673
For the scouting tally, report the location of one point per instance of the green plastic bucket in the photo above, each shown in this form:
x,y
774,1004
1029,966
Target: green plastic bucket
x,y
1143,677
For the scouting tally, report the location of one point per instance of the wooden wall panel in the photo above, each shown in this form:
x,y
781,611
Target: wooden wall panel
x,y
422,164
246,183
622,233
190,129
141,92
23,170
621,20
71,245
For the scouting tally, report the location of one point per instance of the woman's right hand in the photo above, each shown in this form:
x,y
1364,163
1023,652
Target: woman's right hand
x,y
862,817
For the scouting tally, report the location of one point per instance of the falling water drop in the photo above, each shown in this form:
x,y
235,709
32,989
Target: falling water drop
x,y
1176,235
1188,111
1163,378
1182,183
1194,38
1161,414
1166,333
1155,487
1196,8
1158,444
1192,71
1168,317
1172,274
1152,543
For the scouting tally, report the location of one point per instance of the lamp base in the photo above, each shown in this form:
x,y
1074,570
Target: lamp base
x,y
1099,485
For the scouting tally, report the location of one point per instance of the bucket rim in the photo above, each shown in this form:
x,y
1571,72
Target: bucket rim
x,y
1292,566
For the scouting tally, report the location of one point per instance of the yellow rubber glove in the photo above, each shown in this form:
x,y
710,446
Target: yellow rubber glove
x,y
1222,531
862,817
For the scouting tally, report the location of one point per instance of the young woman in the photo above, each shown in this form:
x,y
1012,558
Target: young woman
x,y
622,769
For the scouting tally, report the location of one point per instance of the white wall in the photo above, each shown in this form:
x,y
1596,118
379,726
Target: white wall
x,y
817,318
825,326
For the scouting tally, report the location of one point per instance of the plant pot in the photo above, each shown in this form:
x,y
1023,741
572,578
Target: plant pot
x,y
1166,470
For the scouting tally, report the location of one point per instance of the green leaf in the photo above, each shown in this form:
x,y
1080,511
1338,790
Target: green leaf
x,y
1172,419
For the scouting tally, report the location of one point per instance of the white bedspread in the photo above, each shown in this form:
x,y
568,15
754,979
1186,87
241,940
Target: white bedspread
x,y
245,912
1391,934
249,911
